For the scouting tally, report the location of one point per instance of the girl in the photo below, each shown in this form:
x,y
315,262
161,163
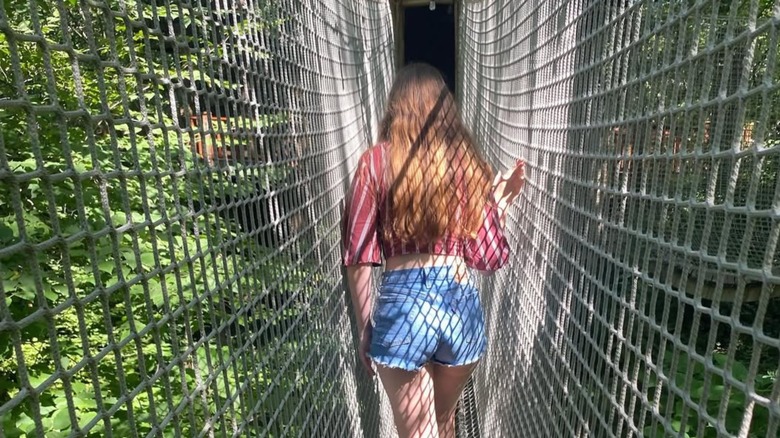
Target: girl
x,y
423,201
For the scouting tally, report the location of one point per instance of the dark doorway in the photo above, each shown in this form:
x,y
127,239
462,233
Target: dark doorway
x,y
429,36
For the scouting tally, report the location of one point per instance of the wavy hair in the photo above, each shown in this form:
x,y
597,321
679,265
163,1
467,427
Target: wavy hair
x,y
437,180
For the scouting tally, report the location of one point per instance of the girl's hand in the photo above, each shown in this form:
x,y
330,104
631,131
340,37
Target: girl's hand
x,y
507,187
365,346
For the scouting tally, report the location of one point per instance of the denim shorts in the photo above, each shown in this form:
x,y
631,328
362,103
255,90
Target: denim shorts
x,y
424,315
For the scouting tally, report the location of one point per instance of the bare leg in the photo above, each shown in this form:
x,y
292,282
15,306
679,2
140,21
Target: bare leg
x,y
411,396
448,384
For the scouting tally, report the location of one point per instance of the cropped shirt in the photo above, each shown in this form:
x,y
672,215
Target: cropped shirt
x,y
366,214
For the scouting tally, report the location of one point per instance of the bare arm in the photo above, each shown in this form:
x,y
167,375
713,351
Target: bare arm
x,y
489,250
507,187
361,247
359,282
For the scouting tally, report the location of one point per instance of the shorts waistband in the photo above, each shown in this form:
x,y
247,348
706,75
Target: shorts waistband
x,y
422,274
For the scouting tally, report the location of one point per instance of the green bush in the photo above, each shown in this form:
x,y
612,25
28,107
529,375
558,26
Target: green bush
x,y
710,392
138,300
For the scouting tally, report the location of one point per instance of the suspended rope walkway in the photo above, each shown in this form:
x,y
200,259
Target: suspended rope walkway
x,y
171,180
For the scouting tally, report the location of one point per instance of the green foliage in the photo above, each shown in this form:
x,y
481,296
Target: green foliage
x,y
140,296
710,391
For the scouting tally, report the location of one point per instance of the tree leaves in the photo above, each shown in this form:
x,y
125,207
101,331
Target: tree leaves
x,y
125,245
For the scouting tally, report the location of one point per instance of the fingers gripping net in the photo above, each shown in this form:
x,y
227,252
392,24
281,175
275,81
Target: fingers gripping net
x,y
643,300
170,178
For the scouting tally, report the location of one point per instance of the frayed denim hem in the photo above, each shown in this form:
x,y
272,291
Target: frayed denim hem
x,y
395,364
466,362
453,365
400,365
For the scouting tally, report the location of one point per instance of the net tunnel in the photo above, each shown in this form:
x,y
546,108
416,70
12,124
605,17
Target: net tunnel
x,y
172,174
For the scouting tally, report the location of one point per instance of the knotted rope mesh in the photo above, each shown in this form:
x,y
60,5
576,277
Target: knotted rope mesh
x,y
170,182
643,298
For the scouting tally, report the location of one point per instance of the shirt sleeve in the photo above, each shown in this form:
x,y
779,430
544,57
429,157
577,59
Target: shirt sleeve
x,y
360,240
489,250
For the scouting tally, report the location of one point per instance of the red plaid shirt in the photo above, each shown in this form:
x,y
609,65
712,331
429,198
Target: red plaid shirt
x,y
365,216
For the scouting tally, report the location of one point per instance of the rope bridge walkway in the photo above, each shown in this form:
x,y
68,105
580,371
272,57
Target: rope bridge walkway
x,y
171,178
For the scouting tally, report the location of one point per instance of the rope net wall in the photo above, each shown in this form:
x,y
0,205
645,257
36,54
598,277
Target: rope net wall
x,y
643,299
170,183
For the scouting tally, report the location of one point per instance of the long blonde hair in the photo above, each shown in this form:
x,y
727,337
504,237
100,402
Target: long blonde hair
x,y
437,181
